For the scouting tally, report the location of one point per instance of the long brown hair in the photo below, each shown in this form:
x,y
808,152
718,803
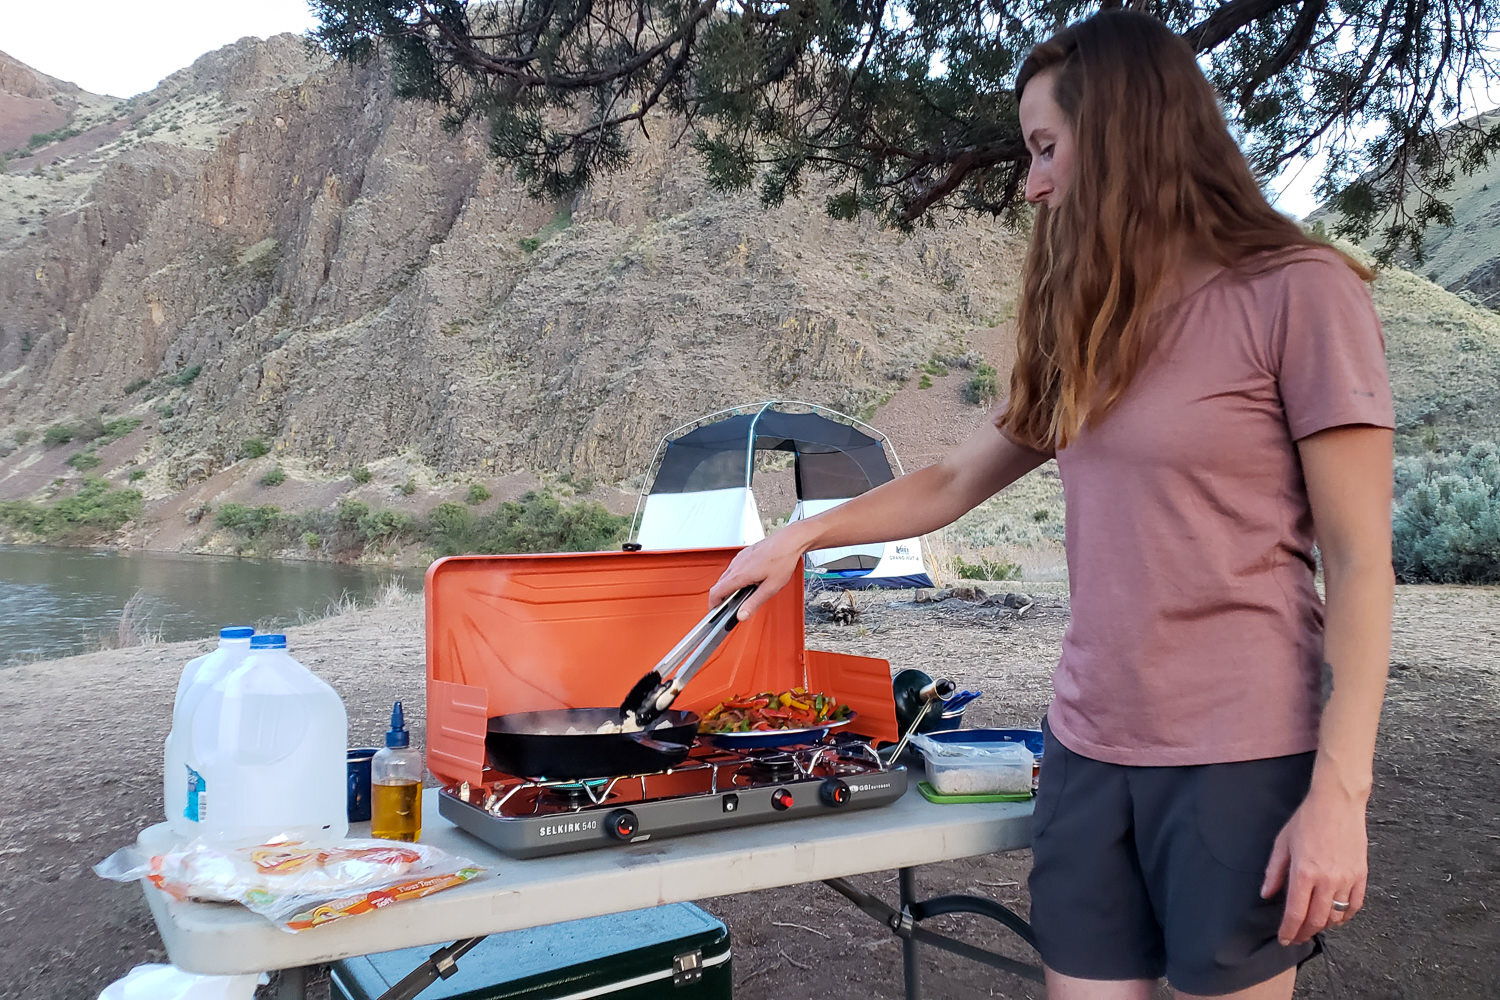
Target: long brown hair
x,y
1156,175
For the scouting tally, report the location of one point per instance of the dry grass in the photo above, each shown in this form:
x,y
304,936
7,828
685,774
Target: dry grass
x,y
391,596
946,551
941,557
134,627
1444,358
1021,525
345,603
394,595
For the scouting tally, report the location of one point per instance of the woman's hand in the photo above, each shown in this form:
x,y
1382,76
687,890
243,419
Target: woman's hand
x,y
768,564
1321,856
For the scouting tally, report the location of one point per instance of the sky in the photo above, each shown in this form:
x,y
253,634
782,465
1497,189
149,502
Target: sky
x,y
125,47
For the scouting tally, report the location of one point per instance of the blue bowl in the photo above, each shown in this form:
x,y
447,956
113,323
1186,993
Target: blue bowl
x,y
1031,737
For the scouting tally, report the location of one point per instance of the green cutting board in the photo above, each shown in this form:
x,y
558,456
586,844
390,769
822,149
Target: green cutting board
x,y
933,795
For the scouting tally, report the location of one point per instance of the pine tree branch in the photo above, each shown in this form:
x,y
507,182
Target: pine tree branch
x,y
1221,25
510,68
1297,42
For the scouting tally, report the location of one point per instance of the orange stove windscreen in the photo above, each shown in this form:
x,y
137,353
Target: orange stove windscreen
x,y
521,633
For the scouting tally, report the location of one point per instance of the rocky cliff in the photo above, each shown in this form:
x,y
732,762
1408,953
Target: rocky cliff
x,y
270,246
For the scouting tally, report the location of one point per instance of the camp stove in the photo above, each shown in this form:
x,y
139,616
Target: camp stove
x,y
713,788
522,633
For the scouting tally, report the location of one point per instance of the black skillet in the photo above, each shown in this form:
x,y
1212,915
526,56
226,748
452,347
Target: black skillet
x,y
565,743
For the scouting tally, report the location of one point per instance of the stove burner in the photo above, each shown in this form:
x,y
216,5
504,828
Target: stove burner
x,y
845,766
575,794
771,765
839,760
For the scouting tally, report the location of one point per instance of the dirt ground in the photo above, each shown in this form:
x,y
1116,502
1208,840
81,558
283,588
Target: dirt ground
x,y
85,742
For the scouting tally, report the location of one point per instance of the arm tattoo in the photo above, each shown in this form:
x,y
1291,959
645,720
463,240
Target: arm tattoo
x,y
1327,684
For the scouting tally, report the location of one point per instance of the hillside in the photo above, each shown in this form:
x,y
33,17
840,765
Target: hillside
x,y
35,107
1464,258
268,263
335,275
1444,356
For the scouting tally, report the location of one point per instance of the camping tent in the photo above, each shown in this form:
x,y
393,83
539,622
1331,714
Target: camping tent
x,y
701,495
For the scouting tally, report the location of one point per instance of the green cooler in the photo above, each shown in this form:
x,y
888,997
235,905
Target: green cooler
x,y
673,952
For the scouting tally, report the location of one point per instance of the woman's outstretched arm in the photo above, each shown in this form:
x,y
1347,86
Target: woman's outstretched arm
x,y
911,505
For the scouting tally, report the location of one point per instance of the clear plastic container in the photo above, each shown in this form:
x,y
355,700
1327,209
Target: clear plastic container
x,y
272,739
956,768
180,776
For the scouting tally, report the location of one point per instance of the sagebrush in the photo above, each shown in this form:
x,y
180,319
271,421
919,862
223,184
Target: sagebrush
x,y
91,514
537,522
1446,522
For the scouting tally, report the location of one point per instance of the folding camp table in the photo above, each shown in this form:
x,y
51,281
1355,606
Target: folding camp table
x,y
228,939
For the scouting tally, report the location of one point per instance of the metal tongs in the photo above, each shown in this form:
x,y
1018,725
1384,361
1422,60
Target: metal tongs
x,y
654,693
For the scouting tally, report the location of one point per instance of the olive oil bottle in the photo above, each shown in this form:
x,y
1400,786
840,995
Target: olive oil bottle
x,y
396,785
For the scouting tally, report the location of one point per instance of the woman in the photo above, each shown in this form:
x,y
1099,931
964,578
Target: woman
x,y
1212,384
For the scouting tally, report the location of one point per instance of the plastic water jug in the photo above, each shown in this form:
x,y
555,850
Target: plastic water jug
x,y
180,776
271,738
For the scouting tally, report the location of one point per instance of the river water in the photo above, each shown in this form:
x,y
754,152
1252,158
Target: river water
x,y
58,602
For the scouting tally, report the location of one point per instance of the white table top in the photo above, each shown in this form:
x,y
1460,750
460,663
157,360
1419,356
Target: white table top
x,y
228,939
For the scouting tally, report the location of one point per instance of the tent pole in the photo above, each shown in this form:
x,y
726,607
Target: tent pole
x,y
750,443
640,498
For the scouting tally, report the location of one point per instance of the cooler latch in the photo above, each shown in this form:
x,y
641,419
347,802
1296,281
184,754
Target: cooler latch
x,y
687,968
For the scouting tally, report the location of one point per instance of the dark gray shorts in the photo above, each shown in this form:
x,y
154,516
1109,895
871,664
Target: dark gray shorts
x,y
1144,872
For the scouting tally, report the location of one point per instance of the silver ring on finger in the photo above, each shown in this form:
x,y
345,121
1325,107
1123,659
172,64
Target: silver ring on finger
x,y
1340,906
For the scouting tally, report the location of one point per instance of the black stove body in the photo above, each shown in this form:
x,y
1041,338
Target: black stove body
x,y
712,789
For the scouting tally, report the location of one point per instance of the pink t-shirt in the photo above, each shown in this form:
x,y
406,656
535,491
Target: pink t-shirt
x,y
1196,633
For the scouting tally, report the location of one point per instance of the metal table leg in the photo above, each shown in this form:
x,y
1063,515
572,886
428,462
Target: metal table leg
x,y
905,924
291,984
439,965
911,971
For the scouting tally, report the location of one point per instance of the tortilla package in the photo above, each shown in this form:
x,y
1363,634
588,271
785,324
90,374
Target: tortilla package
x,y
293,884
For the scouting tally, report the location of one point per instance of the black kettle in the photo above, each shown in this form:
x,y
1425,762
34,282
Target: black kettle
x,y
912,689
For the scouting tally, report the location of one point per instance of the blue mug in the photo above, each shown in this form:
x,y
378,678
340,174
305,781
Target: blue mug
x,y
359,783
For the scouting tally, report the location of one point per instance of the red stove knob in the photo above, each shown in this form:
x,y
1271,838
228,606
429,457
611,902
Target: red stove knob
x,y
781,799
834,792
621,824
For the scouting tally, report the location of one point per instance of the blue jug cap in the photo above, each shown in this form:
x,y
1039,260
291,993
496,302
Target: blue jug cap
x,y
236,632
397,736
268,642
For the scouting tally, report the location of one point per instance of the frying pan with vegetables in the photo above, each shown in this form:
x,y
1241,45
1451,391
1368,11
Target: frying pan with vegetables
x,y
773,719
